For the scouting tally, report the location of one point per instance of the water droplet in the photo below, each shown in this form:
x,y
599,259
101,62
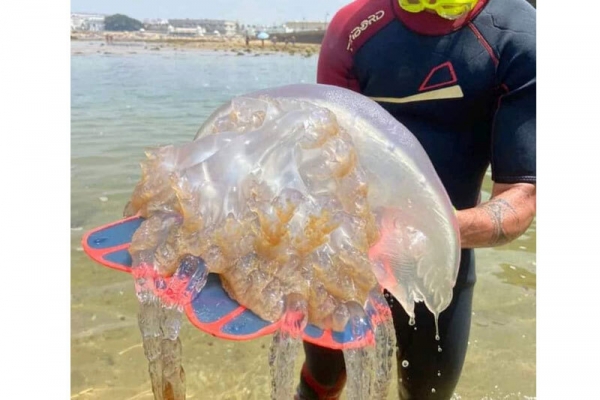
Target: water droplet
x,y
411,321
405,363
437,338
415,328
432,390
439,373
439,349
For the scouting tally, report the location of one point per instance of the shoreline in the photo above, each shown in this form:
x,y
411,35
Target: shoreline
x,y
122,42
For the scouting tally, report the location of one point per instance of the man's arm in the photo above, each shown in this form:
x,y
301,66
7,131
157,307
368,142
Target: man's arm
x,y
503,218
511,209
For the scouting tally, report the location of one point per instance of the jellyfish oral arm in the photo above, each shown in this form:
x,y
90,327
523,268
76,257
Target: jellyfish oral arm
x,y
502,219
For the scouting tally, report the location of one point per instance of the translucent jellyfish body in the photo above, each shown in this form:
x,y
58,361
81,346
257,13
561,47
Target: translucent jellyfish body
x,y
308,192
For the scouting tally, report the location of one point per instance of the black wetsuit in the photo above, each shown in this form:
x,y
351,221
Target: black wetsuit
x,y
466,90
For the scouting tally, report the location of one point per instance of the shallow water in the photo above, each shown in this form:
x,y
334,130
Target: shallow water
x,y
122,103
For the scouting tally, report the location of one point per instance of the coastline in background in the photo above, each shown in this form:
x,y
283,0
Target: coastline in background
x,y
131,42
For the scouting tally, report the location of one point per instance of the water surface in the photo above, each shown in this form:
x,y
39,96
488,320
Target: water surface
x,y
122,103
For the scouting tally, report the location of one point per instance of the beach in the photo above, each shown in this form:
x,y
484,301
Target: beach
x,y
138,42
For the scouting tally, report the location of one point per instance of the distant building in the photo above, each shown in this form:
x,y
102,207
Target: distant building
x,y
221,27
184,23
186,32
272,30
156,25
227,28
87,22
300,26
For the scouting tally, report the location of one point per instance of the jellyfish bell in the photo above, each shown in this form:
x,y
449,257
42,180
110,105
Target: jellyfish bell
x,y
305,190
415,251
287,214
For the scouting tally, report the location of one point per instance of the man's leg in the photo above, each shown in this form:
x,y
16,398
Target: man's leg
x,y
427,368
323,374
430,373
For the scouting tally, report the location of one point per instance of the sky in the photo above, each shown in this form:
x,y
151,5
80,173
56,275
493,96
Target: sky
x,y
245,11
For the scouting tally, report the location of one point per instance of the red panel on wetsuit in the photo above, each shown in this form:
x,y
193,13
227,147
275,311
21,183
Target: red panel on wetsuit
x,y
349,29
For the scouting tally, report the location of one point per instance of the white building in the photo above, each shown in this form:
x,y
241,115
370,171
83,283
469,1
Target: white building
x,y
87,22
302,26
187,32
227,28
273,30
156,25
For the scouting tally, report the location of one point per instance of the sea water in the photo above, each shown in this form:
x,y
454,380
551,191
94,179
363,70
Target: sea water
x,y
124,102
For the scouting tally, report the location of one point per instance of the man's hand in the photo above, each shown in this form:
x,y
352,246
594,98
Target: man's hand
x,y
503,218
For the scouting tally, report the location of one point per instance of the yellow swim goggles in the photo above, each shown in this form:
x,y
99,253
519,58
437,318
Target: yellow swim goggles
x,y
449,9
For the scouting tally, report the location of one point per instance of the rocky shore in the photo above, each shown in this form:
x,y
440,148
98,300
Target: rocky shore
x,y
133,42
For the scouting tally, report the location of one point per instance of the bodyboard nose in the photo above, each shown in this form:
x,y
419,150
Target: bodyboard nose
x,y
212,310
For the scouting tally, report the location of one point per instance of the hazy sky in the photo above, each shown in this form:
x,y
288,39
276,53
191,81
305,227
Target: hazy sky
x,y
244,11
